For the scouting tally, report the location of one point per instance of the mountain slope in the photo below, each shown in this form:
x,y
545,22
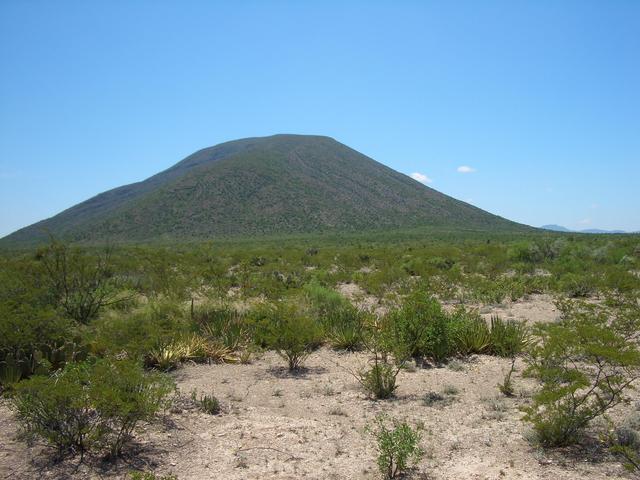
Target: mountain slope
x,y
262,186
560,228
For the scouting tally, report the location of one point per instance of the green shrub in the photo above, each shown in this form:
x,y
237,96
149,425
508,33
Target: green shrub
x,y
586,364
58,409
418,329
137,333
224,324
440,339
293,335
324,301
80,283
123,395
398,446
577,286
345,328
207,403
87,406
379,381
34,340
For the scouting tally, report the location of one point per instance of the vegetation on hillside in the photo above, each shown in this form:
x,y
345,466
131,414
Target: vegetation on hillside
x,y
262,186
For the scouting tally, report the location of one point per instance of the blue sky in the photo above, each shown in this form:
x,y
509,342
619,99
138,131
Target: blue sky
x,y
540,99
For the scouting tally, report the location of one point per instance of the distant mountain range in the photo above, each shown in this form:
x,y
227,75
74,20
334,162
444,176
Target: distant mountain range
x,y
263,186
560,228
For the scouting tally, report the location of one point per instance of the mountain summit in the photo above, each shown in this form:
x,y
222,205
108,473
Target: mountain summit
x,y
262,186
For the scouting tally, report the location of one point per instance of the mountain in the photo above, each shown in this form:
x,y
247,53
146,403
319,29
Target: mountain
x,y
555,228
262,186
597,230
560,228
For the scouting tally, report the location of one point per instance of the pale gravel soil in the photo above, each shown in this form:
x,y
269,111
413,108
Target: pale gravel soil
x,y
312,425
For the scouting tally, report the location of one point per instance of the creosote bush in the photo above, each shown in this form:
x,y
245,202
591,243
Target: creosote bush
x,y
418,329
398,446
81,284
379,380
586,364
293,334
89,406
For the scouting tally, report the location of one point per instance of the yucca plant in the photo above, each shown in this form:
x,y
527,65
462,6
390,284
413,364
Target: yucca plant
x,y
345,329
223,324
508,338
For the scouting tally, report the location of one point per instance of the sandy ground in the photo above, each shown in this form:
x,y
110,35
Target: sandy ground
x,y
312,425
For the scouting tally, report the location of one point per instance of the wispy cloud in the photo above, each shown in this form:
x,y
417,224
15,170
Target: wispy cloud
x,y
584,221
465,169
421,177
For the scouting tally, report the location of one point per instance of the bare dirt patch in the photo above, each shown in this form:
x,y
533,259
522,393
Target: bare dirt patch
x,y
532,309
312,425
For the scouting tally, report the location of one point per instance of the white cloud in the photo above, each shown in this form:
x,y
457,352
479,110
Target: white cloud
x,y
465,169
421,177
584,221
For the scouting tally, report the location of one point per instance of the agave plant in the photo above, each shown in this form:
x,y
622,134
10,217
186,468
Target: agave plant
x,y
218,353
165,357
194,347
474,337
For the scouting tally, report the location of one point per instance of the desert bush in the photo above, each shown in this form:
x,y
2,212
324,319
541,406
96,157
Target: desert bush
x,y
379,380
34,340
324,301
81,283
441,339
577,285
58,409
165,357
586,364
137,333
293,334
625,443
418,329
506,387
86,406
398,446
123,395
190,347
